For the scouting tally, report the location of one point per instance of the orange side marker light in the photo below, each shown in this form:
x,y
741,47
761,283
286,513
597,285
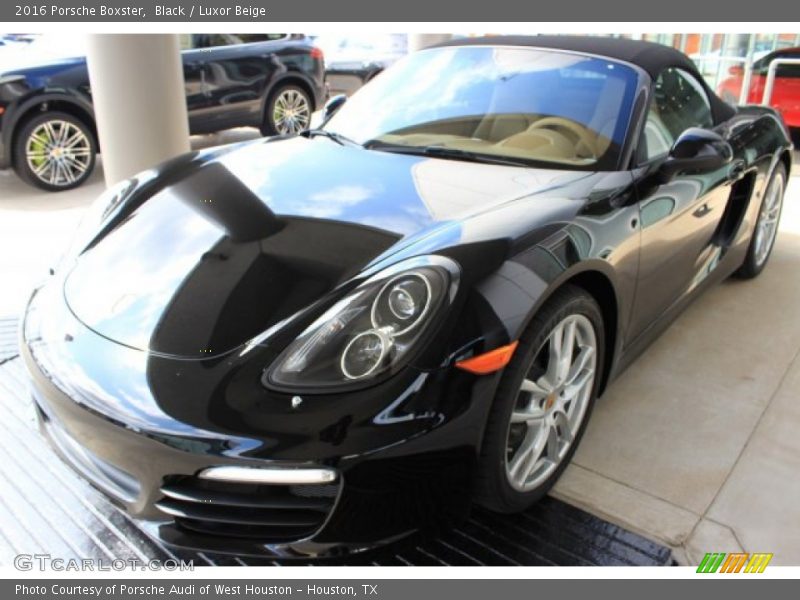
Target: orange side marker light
x,y
489,362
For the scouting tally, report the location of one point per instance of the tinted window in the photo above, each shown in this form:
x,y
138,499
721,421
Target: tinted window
x,y
522,103
761,66
211,40
679,102
789,71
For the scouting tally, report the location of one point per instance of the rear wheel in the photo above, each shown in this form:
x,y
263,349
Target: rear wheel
x,y
766,229
288,111
55,151
543,402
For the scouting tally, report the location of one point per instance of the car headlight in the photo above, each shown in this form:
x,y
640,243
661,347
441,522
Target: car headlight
x,y
372,331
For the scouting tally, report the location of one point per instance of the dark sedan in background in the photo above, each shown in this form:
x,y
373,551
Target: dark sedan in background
x,y
317,343
47,128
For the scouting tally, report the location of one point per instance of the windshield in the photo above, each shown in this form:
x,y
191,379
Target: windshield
x,y
531,105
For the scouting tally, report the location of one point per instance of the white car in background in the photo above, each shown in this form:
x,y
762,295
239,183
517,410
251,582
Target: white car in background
x,y
352,60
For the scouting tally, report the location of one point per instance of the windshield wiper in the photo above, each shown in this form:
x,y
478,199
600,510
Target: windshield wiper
x,y
445,152
336,137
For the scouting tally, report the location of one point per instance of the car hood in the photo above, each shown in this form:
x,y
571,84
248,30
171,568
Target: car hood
x,y
237,241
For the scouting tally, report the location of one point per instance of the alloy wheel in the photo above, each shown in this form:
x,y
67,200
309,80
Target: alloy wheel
x,y
291,111
767,227
551,403
58,153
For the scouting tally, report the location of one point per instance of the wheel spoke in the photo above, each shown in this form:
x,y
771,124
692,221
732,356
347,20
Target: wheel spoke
x,y
564,428
51,133
554,359
36,137
585,357
541,388
40,169
527,454
75,139
77,167
530,413
55,173
573,390
552,445
566,351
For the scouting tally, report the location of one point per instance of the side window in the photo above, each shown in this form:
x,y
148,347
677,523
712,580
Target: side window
x,y
788,71
212,40
679,102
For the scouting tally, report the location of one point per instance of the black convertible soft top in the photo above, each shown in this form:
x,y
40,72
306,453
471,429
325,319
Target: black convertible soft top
x,y
651,58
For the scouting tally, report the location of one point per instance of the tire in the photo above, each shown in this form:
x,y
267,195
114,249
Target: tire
x,y
54,151
764,233
290,99
495,489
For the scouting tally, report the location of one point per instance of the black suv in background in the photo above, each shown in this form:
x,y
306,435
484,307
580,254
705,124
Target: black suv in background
x,y
270,81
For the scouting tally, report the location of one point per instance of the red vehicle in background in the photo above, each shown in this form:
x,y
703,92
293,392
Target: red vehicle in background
x,y
785,94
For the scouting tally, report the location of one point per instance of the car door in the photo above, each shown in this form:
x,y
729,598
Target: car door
x,y
678,218
238,68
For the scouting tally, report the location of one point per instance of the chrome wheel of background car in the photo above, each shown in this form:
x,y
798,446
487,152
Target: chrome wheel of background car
x,y
58,153
767,226
551,403
291,111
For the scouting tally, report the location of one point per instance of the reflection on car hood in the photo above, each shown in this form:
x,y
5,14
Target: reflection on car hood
x,y
243,240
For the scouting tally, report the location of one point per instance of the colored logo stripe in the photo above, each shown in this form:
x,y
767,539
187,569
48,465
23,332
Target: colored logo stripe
x,y
758,563
734,562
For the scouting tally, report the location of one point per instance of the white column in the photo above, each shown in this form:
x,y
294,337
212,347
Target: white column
x,y
418,41
139,101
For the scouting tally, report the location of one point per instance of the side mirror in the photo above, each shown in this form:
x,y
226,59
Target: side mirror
x,y
332,105
696,150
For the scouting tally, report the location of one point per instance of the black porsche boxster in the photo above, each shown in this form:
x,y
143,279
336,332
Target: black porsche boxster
x,y
318,343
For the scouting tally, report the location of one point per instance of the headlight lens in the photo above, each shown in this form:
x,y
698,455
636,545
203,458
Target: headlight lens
x,y
372,330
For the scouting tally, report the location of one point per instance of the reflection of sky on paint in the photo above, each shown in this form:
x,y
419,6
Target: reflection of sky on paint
x,y
113,382
322,180
450,83
142,264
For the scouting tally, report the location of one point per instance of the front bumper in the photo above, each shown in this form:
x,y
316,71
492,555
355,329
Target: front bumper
x,y
399,459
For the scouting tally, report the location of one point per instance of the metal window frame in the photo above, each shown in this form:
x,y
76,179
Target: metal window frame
x,y
772,72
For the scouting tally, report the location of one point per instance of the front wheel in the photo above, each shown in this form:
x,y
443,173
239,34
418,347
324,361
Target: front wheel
x,y
543,402
766,229
288,111
54,151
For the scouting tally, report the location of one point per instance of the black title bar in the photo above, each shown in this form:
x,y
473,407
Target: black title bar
x,y
441,11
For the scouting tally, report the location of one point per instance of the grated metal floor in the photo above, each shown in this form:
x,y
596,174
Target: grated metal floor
x,y
46,508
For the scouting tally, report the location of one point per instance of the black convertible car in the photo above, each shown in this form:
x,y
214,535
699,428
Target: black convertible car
x,y
272,81
316,343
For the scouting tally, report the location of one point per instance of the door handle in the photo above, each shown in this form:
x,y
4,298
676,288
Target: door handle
x,y
736,171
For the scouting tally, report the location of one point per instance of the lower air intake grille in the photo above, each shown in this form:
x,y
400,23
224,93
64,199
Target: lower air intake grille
x,y
258,512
